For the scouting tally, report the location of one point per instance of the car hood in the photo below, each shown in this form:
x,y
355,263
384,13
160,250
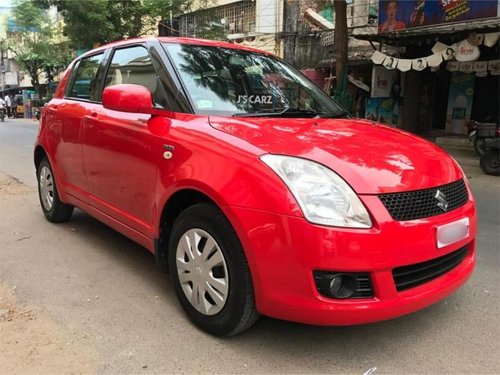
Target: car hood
x,y
371,157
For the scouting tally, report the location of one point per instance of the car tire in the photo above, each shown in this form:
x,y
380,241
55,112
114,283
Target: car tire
x,y
52,207
210,272
479,145
490,162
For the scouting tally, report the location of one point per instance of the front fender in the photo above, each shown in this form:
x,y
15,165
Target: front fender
x,y
224,168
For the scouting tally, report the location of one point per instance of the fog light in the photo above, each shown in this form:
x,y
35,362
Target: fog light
x,y
336,285
343,286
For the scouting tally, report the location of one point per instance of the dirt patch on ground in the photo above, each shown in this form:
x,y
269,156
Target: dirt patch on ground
x,y
11,186
32,343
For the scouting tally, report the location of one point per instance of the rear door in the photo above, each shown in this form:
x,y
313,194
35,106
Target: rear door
x,y
80,100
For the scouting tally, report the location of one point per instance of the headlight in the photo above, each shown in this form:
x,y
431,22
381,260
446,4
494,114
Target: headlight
x,y
324,197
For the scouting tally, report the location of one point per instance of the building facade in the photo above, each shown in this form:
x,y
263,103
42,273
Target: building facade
x,y
443,69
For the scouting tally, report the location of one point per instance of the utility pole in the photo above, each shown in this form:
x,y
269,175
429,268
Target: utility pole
x,y
340,7
2,68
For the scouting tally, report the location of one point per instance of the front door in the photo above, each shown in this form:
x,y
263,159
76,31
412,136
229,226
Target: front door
x,y
121,154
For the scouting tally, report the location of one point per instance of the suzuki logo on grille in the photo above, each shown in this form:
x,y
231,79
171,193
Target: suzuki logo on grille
x,y
441,198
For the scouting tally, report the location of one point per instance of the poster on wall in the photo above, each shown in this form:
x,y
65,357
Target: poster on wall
x,y
407,14
384,110
459,102
386,83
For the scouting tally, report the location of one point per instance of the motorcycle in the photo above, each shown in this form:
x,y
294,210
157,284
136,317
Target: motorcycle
x,y
479,132
490,160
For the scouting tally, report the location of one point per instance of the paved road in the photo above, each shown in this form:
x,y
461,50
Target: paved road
x,y
17,137
104,296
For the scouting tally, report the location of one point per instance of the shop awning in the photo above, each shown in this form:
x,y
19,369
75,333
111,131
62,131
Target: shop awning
x,y
447,32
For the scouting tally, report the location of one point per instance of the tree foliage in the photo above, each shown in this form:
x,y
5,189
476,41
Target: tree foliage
x,y
91,22
35,44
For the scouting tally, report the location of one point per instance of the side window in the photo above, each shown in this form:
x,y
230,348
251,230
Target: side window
x,y
83,85
133,66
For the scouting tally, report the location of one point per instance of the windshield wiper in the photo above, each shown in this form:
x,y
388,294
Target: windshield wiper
x,y
287,111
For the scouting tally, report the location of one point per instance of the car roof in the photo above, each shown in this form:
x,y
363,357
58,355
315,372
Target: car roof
x,y
177,40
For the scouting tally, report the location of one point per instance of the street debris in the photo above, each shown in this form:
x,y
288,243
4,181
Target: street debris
x,y
370,371
23,238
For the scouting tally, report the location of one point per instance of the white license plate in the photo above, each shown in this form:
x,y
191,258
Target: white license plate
x,y
453,232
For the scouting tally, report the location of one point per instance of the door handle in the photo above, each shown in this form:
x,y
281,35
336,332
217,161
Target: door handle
x,y
89,119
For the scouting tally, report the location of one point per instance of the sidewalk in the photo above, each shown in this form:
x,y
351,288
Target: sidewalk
x,y
462,150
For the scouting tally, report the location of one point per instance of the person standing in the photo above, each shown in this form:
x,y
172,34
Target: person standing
x,y
8,104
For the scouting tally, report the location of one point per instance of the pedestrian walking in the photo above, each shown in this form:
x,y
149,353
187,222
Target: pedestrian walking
x,y
2,110
13,108
8,104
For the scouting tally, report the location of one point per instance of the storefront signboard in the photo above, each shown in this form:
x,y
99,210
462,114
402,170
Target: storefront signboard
x,y
408,14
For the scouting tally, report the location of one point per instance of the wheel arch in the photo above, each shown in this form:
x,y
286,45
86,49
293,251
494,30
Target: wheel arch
x,y
38,155
173,207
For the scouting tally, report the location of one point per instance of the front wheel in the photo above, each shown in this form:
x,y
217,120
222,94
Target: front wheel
x,y
490,162
52,207
210,272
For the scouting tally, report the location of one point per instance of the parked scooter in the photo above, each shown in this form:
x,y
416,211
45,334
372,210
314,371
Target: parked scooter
x,y
490,160
479,132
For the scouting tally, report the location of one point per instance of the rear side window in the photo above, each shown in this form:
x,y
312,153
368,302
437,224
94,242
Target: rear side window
x,y
83,84
133,65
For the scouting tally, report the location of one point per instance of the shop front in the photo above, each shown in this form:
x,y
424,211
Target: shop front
x,y
448,68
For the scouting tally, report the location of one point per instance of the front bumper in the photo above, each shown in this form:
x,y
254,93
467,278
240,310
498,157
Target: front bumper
x,y
283,251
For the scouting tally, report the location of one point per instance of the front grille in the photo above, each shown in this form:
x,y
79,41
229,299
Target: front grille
x,y
365,286
417,274
419,204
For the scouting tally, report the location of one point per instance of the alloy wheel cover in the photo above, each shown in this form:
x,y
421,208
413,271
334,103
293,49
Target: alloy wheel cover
x,y
46,186
202,271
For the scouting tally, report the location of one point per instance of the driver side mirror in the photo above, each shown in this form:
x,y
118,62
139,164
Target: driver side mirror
x,y
128,98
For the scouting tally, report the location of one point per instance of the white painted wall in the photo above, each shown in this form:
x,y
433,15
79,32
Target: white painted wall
x,y
269,16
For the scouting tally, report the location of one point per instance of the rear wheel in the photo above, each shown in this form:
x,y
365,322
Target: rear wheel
x,y
52,207
210,272
479,145
490,162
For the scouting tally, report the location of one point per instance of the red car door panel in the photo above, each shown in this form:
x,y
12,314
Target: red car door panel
x,y
121,156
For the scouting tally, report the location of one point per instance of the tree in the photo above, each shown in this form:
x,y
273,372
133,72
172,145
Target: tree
x,y
92,22
341,52
35,44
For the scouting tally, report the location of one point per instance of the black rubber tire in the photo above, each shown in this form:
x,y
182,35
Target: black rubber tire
x,y
239,313
490,162
479,145
60,212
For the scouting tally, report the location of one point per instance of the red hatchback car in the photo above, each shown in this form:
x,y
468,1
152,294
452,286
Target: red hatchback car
x,y
255,190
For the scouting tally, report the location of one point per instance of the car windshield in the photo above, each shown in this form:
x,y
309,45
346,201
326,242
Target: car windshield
x,y
232,82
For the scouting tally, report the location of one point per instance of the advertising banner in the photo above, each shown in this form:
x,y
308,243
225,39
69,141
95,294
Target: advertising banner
x,y
459,101
386,83
408,14
384,110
